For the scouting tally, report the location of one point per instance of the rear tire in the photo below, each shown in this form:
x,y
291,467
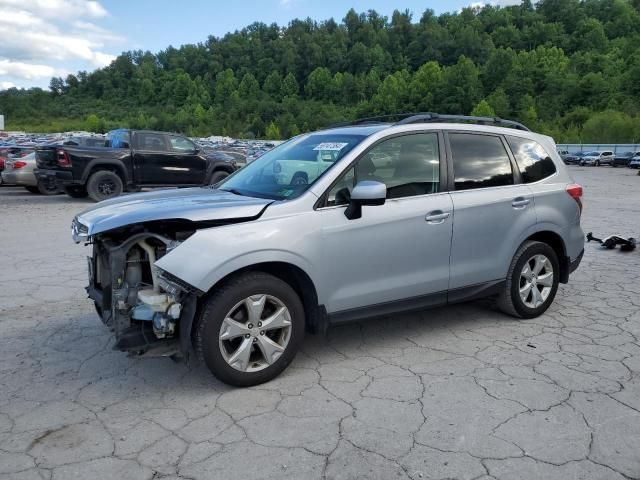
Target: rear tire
x,y
220,342
103,185
48,188
529,293
76,191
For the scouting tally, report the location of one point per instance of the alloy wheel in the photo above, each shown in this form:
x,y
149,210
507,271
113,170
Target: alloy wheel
x,y
106,187
536,281
255,333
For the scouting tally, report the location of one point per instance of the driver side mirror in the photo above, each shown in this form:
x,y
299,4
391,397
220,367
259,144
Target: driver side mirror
x,y
366,192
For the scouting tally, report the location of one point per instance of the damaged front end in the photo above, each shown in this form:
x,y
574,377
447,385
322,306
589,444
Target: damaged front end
x,y
149,311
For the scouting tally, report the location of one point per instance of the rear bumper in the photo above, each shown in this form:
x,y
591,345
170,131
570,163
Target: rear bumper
x,y
60,177
573,265
16,177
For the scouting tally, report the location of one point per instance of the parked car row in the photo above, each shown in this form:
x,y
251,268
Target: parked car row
x,y
104,166
598,158
132,159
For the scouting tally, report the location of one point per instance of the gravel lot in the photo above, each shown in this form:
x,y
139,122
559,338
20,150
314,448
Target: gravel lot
x,y
458,392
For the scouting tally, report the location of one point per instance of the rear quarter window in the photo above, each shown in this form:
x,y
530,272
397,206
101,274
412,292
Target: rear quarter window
x,y
533,160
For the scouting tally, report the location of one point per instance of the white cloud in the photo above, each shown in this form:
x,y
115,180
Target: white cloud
x,y
59,8
28,71
6,85
42,38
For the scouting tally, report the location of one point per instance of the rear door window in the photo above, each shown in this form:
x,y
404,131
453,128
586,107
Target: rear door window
x,y
479,161
533,160
153,142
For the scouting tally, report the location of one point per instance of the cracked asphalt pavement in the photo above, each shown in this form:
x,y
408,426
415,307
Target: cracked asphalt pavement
x,y
462,392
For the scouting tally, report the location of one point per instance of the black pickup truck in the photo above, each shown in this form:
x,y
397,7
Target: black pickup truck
x,y
131,160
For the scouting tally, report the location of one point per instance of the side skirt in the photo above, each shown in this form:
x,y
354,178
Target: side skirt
x,y
422,302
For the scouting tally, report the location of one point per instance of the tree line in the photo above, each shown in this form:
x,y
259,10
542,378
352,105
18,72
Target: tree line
x,y
567,68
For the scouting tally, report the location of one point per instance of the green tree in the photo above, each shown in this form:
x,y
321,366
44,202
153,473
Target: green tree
x,y
319,83
94,124
272,132
483,109
249,88
272,85
290,86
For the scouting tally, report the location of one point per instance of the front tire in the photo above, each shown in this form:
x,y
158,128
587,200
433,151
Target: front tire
x,y
532,281
250,329
299,179
218,177
104,184
31,189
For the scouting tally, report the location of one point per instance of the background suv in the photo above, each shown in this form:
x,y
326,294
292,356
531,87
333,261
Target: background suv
x,y
597,158
406,215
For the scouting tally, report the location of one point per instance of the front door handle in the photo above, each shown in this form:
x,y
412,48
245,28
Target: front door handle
x,y
437,216
520,202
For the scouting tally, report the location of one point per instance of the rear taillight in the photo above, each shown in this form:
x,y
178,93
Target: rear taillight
x,y
575,191
19,164
63,159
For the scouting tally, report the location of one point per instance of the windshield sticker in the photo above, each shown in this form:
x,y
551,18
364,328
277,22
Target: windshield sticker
x,y
331,147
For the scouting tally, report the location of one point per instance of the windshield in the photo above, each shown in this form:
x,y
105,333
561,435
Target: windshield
x,y
287,171
593,154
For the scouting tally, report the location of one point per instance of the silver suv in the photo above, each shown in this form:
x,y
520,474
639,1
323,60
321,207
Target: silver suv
x,y
342,224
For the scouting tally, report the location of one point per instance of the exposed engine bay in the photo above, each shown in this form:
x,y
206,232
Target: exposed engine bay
x,y
144,306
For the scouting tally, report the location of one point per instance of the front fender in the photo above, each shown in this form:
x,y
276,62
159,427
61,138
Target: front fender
x,y
211,254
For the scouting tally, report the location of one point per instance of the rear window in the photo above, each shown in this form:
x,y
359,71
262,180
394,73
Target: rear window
x,y
533,161
479,161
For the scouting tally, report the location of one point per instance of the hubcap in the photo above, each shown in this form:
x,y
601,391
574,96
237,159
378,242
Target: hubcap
x,y
536,281
106,187
255,333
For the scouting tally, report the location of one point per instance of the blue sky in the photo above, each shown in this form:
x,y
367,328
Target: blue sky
x,y
156,27
45,38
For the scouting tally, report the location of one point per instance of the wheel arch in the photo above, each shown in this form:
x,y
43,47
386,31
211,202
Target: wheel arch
x,y
111,166
555,241
296,278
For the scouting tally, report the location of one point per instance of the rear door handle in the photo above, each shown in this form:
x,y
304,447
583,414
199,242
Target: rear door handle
x,y
437,216
520,202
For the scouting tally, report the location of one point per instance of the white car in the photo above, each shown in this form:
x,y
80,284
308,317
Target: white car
x,y
597,158
304,172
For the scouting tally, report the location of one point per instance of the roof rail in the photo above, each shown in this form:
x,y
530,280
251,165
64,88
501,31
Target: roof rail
x,y
370,120
429,117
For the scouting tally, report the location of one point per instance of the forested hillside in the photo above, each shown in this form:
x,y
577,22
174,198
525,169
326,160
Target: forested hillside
x,y
568,68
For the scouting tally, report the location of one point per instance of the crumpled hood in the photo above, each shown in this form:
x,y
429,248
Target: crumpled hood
x,y
195,204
